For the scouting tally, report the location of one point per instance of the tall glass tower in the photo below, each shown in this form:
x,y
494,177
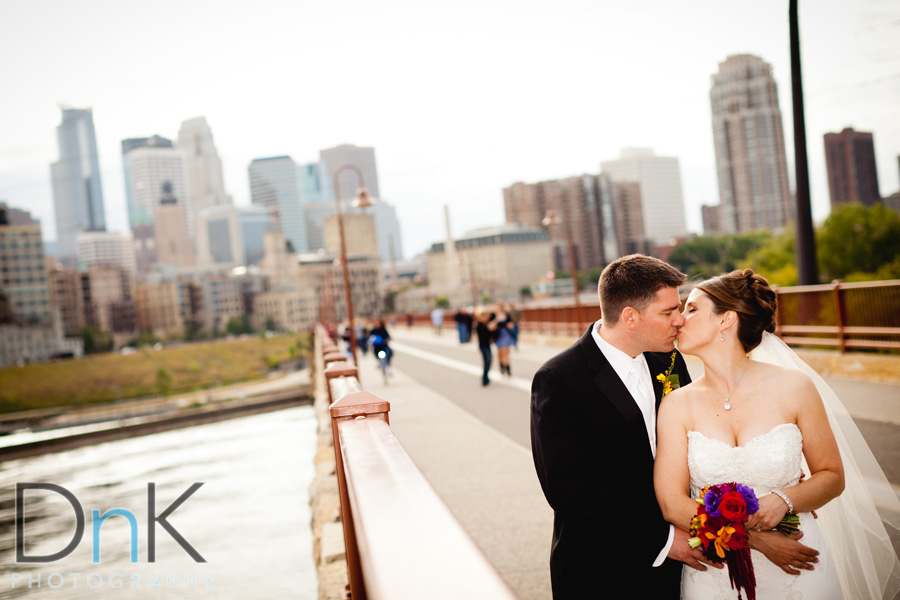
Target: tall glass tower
x,y
77,193
275,184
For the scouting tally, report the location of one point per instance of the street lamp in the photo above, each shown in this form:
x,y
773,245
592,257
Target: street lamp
x,y
552,219
362,201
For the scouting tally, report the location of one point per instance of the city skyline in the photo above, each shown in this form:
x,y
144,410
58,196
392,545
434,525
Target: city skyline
x,y
439,92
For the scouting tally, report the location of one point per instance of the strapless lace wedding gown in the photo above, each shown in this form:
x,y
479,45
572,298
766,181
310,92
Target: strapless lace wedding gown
x,y
770,461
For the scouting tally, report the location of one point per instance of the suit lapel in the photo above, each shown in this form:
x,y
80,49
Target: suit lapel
x,y
655,369
614,391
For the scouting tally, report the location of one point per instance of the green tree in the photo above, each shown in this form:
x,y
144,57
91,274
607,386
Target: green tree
x,y
96,340
442,302
239,325
715,254
858,239
776,261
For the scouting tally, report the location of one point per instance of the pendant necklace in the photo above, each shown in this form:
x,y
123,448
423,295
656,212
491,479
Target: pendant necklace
x,y
726,398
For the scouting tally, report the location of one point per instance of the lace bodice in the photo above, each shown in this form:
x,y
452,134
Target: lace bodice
x,y
770,461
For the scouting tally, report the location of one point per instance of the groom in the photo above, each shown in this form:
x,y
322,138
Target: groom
x,y
593,437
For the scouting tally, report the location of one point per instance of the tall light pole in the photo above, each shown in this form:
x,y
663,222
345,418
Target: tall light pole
x,y
807,270
362,201
552,219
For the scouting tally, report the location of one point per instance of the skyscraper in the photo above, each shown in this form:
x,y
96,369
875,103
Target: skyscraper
x,y
317,202
157,173
659,180
204,168
749,143
852,175
579,204
361,157
275,184
127,146
77,191
387,226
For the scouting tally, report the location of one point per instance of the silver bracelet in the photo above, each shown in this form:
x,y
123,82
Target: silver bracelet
x,y
787,500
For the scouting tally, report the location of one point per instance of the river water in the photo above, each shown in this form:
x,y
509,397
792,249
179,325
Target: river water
x,y
250,520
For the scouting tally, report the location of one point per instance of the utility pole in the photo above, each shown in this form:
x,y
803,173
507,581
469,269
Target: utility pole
x,y
807,270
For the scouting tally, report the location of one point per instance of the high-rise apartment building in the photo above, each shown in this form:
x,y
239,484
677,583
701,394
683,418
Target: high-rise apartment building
x,y
77,190
30,328
23,272
578,205
659,179
630,219
852,174
749,144
275,184
204,168
712,222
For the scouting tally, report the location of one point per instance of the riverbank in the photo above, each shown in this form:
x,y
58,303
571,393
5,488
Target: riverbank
x,y
38,432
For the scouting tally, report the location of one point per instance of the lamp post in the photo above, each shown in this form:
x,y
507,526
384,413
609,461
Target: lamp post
x,y
362,201
552,219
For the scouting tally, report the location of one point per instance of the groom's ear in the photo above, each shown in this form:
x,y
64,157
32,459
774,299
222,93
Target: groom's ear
x,y
628,317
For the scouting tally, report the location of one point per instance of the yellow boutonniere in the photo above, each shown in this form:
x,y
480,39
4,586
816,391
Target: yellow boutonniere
x,y
668,379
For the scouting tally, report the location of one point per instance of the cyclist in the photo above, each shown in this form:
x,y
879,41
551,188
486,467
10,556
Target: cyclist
x,y
379,338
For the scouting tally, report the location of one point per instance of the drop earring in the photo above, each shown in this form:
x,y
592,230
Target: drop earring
x,y
721,336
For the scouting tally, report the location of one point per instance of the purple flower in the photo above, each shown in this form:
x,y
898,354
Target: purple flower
x,y
711,501
749,497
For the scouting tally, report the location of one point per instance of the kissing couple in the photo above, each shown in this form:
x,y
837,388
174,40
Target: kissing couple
x,y
622,466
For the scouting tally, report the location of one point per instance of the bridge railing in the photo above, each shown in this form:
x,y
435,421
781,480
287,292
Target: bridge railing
x,y
848,316
401,540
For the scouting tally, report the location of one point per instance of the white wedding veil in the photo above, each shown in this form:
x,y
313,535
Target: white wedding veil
x,y
853,524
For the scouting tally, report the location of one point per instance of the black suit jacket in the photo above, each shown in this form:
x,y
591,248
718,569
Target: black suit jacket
x,y
594,462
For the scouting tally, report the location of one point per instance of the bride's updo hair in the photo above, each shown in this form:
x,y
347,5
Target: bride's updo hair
x,y
751,297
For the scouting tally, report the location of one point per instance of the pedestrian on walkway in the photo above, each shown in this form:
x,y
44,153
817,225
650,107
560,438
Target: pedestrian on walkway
x,y
516,315
463,324
437,319
485,328
505,338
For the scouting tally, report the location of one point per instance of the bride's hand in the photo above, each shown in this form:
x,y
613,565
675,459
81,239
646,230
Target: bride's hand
x,y
771,511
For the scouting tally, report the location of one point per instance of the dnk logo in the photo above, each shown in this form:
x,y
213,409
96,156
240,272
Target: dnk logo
x,y
97,522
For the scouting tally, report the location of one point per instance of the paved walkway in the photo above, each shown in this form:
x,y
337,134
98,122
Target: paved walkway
x,y
472,443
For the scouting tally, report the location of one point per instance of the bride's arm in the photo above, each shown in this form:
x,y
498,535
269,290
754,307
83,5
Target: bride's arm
x,y
670,473
826,480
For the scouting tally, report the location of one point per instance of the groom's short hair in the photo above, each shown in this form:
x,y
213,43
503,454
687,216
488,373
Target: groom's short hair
x,y
633,280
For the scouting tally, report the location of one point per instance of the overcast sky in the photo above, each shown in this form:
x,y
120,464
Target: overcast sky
x,y
459,101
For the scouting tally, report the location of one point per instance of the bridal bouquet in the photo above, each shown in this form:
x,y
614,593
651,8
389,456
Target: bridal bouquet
x,y
722,511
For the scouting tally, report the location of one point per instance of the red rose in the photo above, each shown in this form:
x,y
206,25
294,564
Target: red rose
x,y
733,507
739,539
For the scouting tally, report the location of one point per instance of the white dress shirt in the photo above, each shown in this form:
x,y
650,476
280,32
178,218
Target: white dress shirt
x,y
635,374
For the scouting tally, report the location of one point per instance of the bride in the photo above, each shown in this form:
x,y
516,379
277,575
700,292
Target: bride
x,y
760,420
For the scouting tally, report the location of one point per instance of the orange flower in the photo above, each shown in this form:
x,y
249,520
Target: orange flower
x,y
722,537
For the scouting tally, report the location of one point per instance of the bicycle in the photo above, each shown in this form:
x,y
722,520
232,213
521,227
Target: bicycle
x,y
382,355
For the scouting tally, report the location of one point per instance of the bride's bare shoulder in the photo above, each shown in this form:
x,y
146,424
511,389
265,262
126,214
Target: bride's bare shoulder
x,y
789,382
